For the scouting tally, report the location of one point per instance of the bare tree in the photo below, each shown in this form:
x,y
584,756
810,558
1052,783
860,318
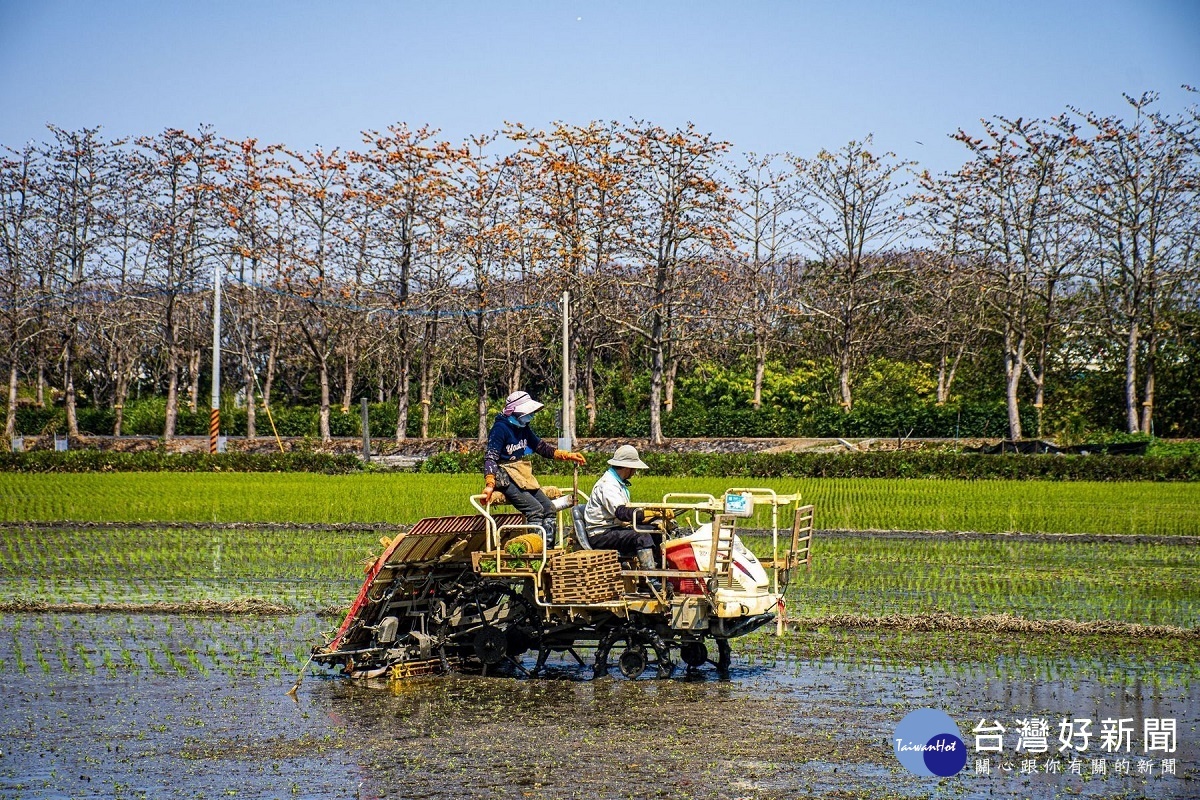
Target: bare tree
x,y
316,184
1134,193
176,223
124,320
1007,203
678,231
581,185
249,200
409,181
78,164
482,234
19,246
854,218
766,232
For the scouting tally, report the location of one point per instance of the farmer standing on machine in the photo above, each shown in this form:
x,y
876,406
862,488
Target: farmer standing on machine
x,y
507,469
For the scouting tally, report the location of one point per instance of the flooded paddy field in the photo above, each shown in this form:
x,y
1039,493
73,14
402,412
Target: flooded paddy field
x,y
114,686
150,705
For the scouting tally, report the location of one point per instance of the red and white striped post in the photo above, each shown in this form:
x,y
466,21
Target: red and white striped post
x,y
214,420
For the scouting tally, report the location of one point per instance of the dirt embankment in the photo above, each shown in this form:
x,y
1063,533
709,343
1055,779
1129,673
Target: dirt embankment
x,y
247,606
423,448
995,623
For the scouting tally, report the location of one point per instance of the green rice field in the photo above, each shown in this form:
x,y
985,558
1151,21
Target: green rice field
x,y
1149,582
314,569
987,506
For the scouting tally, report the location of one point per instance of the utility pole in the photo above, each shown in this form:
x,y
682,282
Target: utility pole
x,y
567,442
214,420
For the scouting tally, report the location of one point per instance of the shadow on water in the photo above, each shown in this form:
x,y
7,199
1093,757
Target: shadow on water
x,y
781,726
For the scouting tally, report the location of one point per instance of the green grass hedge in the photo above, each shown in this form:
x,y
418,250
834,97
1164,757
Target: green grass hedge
x,y
105,461
962,466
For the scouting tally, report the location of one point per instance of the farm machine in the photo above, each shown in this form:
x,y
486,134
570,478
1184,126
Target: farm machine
x,y
476,592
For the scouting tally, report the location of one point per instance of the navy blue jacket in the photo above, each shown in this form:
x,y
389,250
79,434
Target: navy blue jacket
x,y
508,442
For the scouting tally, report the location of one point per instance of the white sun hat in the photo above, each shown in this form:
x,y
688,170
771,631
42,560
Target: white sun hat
x,y
627,456
519,403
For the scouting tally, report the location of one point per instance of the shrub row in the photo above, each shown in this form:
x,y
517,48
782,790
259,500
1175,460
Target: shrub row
x,y
967,466
108,461
691,418
964,466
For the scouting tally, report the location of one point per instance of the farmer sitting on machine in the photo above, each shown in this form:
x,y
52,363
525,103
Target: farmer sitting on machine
x,y
608,518
506,467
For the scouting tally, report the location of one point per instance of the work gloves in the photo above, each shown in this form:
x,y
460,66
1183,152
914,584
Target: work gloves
x,y
565,455
649,515
489,486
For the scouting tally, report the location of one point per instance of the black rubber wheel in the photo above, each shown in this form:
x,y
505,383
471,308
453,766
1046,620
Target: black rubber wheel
x,y
633,662
694,654
488,622
490,645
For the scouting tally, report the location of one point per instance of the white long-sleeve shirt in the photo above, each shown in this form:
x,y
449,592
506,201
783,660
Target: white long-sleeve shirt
x,y
609,494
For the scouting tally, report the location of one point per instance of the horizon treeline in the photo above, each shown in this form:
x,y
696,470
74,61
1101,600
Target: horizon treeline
x,y
1052,280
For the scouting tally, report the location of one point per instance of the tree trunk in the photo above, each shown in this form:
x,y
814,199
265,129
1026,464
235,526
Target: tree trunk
x,y
269,382
402,393
514,376
656,379
120,392
1039,387
427,375
1014,348
323,376
39,399
426,402
1148,392
589,385
251,405
1132,417
10,414
760,370
947,367
481,384
844,378
248,378
943,389
194,380
669,380
172,397
348,375
69,389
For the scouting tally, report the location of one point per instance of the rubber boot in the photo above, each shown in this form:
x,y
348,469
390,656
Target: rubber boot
x,y
646,561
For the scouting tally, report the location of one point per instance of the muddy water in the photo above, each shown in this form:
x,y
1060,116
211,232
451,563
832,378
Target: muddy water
x,y
217,723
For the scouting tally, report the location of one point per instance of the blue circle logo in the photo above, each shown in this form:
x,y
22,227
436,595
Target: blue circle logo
x,y
927,742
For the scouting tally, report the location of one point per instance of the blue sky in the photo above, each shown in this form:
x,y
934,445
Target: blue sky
x,y
767,76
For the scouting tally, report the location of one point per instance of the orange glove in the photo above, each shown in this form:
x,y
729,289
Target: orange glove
x,y
564,455
489,486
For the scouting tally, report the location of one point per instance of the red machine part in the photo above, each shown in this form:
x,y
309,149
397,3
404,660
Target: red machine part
x,y
681,556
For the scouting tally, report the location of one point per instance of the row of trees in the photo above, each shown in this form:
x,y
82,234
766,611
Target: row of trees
x,y
413,262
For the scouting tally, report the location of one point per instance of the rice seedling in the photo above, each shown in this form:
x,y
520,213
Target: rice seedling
x,y
993,506
1135,583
